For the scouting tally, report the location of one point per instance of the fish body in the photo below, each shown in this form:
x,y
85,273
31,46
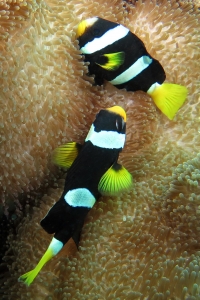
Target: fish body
x,y
93,171
81,182
117,55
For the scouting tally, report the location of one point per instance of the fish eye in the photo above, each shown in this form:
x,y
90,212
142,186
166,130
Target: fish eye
x,y
95,32
119,124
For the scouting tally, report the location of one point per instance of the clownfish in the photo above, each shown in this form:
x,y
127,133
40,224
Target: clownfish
x,y
117,55
93,171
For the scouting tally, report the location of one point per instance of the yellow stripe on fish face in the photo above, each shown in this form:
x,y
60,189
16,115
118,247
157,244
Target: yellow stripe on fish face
x,y
83,25
118,110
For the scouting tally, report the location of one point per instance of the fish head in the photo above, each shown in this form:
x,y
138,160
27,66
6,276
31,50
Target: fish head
x,y
111,119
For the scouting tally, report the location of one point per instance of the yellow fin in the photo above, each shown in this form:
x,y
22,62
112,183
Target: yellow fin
x,y
54,247
169,98
115,180
65,155
115,60
28,277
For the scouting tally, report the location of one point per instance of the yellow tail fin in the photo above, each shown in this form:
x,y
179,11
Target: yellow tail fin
x,y
168,98
54,247
28,277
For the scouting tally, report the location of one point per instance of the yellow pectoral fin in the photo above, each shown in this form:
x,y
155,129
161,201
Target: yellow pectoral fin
x,y
116,180
114,61
169,98
28,277
65,155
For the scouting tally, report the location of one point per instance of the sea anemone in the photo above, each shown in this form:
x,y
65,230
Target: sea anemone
x,y
145,242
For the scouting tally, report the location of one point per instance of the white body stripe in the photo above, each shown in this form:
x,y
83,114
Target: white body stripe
x,y
136,68
106,39
106,139
55,246
80,197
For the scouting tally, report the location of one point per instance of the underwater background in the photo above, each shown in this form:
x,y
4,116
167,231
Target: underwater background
x,y
144,244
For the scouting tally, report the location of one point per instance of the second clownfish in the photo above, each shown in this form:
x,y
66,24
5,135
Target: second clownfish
x,y
120,57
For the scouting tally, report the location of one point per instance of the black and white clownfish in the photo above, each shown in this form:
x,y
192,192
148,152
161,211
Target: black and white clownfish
x,y
117,55
93,171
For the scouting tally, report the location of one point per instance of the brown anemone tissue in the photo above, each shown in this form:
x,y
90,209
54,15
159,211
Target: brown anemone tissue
x,y
143,244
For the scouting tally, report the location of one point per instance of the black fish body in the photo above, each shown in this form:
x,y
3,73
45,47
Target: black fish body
x,y
62,215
